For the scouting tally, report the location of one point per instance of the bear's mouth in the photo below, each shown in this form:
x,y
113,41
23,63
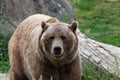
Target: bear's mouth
x,y
57,57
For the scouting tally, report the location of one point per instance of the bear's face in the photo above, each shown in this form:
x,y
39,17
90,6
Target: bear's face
x,y
58,41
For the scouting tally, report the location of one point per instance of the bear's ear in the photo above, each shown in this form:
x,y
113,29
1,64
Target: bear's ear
x,y
52,20
44,25
73,26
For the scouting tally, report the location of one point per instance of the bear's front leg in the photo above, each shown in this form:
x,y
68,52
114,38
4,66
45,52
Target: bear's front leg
x,y
72,71
17,75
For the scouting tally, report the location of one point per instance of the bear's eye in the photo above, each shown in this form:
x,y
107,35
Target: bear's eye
x,y
51,37
63,37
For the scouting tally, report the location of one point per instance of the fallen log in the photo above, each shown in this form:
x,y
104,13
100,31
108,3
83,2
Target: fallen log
x,y
104,56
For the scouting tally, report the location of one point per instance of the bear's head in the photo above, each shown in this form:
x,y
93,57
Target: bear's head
x,y
59,42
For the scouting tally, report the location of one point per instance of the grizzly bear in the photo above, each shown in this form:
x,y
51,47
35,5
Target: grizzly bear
x,y
44,46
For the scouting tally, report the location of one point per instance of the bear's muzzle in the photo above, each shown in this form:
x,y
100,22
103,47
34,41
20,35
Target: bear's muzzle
x,y
57,50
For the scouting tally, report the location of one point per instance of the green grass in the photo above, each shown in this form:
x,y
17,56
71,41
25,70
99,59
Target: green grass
x,y
4,66
91,72
3,47
99,20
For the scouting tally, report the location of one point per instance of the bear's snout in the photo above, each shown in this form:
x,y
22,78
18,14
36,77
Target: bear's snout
x,y
57,50
57,47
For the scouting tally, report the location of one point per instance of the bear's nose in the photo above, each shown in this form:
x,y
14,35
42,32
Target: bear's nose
x,y
57,50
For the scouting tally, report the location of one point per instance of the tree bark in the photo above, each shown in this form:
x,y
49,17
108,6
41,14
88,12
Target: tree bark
x,y
104,56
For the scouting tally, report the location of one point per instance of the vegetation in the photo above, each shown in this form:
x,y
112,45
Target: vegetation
x,y
3,41
91,72
3,48
4,66
5,34
99,19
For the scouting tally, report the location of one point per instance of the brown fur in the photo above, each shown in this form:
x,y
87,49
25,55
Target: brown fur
x,y
28,60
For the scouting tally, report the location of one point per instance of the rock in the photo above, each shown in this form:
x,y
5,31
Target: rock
x,y
17,10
